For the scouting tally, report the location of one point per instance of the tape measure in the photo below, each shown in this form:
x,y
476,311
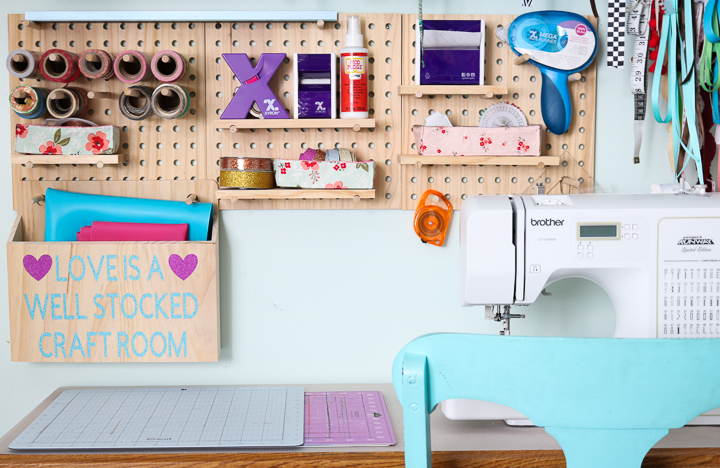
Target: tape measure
x,y
502,114
638,26
431,222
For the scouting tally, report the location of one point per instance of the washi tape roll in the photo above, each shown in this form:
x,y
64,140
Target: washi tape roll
x,y
23,63
332,155
132,66
346,155
168,66
135,103
170,101
256,164
319,155
28,102
247,179
63,103
59,66
97,64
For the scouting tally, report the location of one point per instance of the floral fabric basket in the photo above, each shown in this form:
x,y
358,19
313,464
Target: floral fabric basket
x,y
324,174
478,141
58,141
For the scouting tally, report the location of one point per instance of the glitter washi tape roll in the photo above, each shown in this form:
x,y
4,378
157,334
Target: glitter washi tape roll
x,y
319,155
59,66
63,103
132,66
332,155
308,155
346,155
168,66
254,164
170,101
23,63
97,64
247,179
29,102
135,103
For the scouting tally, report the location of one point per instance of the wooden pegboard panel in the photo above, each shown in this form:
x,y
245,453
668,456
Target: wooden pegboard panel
x,y
382,36
576,148
155,149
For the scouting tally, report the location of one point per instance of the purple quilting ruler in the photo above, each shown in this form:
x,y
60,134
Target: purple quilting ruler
x,y
347,418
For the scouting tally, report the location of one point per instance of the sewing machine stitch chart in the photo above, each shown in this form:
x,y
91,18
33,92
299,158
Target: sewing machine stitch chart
x,y
168,417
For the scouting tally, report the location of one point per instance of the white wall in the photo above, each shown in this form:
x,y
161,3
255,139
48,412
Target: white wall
x,y
331,296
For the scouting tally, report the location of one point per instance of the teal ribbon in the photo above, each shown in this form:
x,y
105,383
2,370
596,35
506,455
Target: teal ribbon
x,y
677,93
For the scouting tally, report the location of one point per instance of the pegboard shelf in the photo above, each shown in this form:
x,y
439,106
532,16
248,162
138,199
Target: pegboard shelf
x,y
437,90
246,124
293,194
99,160
539,161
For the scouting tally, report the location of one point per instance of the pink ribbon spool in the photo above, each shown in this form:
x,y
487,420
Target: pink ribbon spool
x,y
134,70
168,66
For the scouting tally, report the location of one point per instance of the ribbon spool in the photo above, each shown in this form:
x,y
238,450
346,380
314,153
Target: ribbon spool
x,y
168,66
170,101
59,66
23,63
135,103
247,179
96,64
63,103
132,66
29,102
431,222
255,164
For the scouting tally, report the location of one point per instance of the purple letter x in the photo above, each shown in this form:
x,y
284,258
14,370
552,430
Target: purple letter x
x,y
254,86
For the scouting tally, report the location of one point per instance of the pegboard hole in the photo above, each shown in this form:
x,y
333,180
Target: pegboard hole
x,y
431,180
581,180
531,180
388,43
413,196
388,162
176,129
286,26
414,112
285,43
516,95
303,25
388,179
303,43
252,26
481,180
388,128
269,26
547,180
498,79
564,146
219,146
321,43
581,163
497,180
88,43
465,112
158,25
159,162
338,43
388,196
582,95
463,196
303,145
499,45
532,112
142,162
532,95
548,146
372,43
413,180
532,79
140,43
448,112
123,43
176,145
269,43
388,77
581,130
582,113
71,26
564,164
514,180
157,43
516,78
56,43
581,147
176,162
140,25
337,26
447,180
193,145
193,162
108,111
287,145
72,43
371,145
499,61
174,26
106,43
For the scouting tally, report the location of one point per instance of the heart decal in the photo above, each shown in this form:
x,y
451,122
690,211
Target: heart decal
x,y
37,268
183,268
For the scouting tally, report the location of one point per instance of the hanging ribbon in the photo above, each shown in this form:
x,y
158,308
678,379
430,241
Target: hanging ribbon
x,y
709,76
681,83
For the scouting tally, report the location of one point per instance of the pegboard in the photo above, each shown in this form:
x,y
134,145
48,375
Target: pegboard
x,y
576,148
382,33
155,149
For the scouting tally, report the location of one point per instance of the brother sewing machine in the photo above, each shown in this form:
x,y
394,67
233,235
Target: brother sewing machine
x,y
657,256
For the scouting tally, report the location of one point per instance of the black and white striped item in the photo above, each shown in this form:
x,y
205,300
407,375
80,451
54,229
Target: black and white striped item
x,y
527,3
638,26
616,34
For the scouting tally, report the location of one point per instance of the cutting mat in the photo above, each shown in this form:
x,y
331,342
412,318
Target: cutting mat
x,y
347,418
168,417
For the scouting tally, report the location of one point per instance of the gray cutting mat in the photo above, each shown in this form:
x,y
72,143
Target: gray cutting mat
x,y
192,417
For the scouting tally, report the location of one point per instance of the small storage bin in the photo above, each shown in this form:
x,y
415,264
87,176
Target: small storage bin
x,y
112,301
478,141
331,175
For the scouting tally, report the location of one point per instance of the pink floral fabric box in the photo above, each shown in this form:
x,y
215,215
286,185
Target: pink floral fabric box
x,y
478,141
324,174
46,139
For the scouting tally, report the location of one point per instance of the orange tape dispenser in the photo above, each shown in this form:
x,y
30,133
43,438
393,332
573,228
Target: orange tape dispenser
x,y
431,222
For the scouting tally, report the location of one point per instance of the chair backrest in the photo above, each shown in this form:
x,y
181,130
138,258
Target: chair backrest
x,y
574,382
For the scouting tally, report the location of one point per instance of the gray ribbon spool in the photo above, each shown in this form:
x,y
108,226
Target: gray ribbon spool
x,y
23,63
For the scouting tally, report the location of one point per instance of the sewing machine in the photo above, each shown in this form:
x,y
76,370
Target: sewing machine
x,y
657,256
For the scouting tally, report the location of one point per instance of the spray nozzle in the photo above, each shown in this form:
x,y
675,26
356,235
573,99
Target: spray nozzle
x,y
354,37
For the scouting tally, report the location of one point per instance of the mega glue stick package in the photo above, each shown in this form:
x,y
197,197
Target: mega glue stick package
x,y
353,73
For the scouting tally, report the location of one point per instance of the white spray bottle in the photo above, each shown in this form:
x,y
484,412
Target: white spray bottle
x,y
353,73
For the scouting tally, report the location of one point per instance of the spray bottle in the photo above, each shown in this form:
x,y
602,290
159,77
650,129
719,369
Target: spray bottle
x,y
353,73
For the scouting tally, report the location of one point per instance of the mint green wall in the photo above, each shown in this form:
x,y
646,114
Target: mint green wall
x,y
331,296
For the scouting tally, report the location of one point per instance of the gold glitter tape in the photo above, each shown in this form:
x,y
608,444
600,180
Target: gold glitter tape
x,y
247,179
346,155
255,164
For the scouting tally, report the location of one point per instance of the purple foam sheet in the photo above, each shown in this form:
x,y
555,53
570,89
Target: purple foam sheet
x,y
450,65
347,418
314,99
254,86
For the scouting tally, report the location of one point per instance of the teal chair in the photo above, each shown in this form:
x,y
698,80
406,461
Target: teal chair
x,y
606,401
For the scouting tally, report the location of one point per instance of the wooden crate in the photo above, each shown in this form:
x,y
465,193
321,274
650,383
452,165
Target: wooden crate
x,y
112,301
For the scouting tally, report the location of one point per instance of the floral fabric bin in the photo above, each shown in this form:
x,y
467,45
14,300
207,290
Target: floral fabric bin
x,y
478,141
324,174
58,141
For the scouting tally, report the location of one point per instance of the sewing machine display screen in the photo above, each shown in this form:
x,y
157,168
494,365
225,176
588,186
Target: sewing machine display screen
x,y
599,231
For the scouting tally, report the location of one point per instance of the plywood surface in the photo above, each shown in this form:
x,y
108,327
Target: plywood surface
x,y
575,149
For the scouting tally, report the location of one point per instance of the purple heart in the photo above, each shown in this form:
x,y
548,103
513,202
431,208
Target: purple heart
x,y
183,268
37,268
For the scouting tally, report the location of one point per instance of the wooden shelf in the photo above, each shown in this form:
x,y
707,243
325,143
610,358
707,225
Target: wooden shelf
x,y
246,124
99,160
291,194
540,161
475,90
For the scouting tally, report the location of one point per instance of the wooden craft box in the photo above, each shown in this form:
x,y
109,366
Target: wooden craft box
x,y
112,301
